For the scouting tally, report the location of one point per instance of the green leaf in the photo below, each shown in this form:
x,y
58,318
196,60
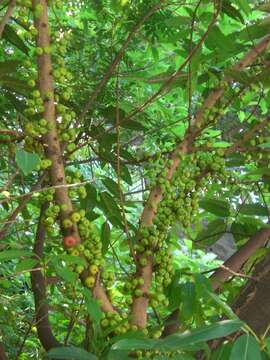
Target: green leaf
x,y
26,161
215,206
66,274
240,77
214,231
182,341
245,348
243,5
11,36
26,264
223,352
72,260
91,199
231,11
8,66
200,335
92,306
178,21
124,173
267,343
188,300
14,254
242,230
111,185
253,209
136,344
110,207
70,353
216,39
132,125
235,160
118,354
105,237
218,302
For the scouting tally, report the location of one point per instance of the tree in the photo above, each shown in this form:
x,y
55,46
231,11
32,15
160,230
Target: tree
x,y
134,135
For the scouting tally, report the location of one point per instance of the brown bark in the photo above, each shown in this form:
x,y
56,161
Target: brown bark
x,y
139,306
44,329
253,303
3,355
234,264
172,324
51,139
237,260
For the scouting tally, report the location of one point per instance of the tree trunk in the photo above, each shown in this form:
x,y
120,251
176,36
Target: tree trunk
x,y
253,303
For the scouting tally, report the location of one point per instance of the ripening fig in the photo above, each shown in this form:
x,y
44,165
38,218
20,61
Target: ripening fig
x,y
75,217
138,292
143,261
39,51
75,252
79,269
31,83
93,269
89,281
105,322
67,223
70,241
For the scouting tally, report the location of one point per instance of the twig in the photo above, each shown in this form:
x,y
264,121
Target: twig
x,y
46,189
238,274
189,64
38,283
31,324
9,220
118,168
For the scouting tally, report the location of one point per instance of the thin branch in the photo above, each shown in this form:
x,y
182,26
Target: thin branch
x,y
140,304
12,198
31,324
38,282
10,219
72,322
118,168
9,181
238,274
189,64
3,355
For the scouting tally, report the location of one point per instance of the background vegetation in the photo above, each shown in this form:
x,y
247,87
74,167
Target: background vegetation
x,y
134,135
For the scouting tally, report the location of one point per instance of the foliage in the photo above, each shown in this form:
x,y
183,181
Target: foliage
x,y
150,143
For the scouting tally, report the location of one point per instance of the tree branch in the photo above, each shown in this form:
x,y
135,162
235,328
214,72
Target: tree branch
x,y
3,355
51,141
140,304
44,329
236,261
